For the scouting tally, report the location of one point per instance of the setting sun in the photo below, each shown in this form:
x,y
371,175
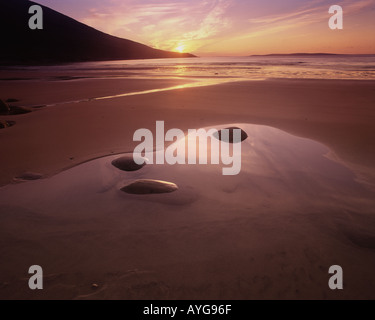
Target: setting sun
x,y
180,48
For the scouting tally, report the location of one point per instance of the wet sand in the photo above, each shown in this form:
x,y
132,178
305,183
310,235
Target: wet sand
x,y
251,244
337,113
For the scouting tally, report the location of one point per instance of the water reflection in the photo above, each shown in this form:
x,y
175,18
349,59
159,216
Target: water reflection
x,y
276,167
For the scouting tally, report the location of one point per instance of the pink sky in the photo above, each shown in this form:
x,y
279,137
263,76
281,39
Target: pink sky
x,y
230,27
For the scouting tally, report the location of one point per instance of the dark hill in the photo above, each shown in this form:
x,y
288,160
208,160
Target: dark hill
x,y
62,40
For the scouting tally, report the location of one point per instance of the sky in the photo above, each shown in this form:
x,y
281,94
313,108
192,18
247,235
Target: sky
x,y
230,27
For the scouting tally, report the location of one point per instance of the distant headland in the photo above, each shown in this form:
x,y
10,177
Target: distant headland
x,y
63,40
309,55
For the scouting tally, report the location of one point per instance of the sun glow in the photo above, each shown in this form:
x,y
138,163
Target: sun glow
x,y
180,48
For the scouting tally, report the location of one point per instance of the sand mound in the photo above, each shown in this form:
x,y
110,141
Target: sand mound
x,y
6,124
4,108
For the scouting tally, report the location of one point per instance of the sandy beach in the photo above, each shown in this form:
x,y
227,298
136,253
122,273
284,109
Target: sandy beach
x,y
255,236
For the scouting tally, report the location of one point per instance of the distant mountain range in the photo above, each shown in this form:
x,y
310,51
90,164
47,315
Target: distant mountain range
x,y
62,40
308,55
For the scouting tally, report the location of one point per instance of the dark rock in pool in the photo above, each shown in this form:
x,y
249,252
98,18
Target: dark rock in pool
x,y
127,163
230,137
4,108
147,186
6,124
29,176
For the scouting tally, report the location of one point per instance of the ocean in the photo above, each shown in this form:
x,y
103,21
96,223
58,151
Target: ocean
x,y
352,67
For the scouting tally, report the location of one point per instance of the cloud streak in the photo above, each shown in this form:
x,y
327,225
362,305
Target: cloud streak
x,y
163,26
313,14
